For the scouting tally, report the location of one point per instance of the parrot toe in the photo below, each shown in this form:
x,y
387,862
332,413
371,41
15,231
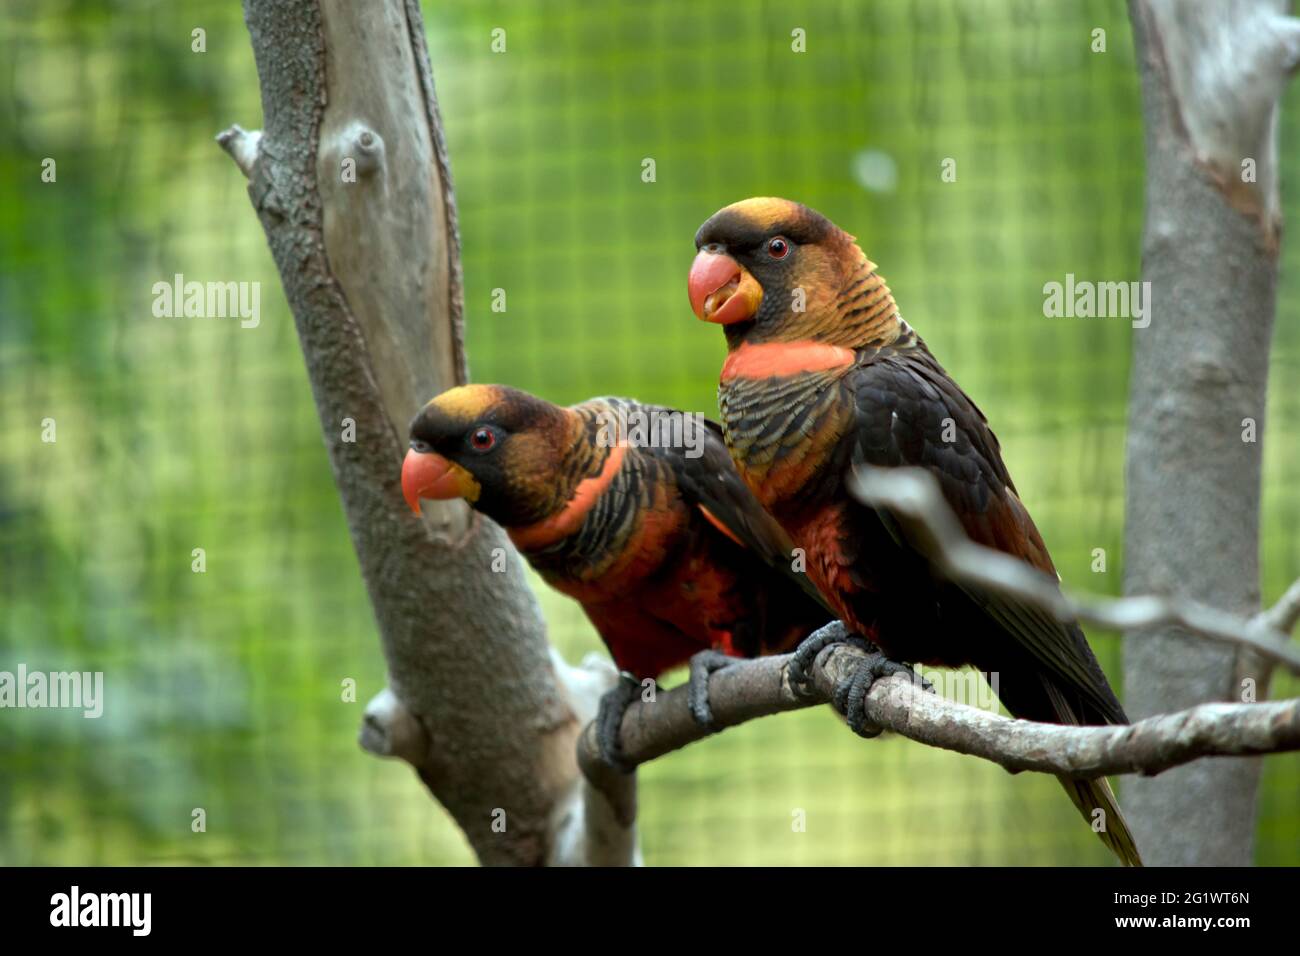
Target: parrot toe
x,y
801,662
702,665
851,692
609,721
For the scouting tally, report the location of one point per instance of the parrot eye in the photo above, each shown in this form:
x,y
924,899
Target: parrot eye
x,y
778,248
420,447
482,439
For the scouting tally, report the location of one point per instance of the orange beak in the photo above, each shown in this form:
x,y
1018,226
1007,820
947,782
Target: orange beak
x,y
722,290
427,475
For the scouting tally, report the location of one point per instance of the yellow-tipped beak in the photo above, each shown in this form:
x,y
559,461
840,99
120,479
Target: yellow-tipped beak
x,y
427,475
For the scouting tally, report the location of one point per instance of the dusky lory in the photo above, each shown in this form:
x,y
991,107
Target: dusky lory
x,y
636,512
823,374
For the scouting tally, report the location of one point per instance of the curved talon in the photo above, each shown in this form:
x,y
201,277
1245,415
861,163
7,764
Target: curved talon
x,y
855,702
609,721
702,665
800,667
851,692
840,695
891,667
849,696
924,682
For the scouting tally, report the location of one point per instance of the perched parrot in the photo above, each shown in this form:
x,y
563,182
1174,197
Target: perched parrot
x,y
823,374
637,513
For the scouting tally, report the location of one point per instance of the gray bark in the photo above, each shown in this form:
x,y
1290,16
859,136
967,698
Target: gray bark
x,y
756,688
1212,73
371,270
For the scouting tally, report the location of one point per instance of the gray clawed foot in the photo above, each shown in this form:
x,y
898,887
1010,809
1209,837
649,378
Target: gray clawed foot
x,y
609,721
850,695
800,667
703,665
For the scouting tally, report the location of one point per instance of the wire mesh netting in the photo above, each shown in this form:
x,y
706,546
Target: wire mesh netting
x,y
584,156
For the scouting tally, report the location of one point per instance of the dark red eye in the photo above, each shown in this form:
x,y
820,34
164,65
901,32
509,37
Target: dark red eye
x,y
482,439
778,248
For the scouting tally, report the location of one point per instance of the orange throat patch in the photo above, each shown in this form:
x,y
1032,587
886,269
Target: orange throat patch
x,y
778,359
569,518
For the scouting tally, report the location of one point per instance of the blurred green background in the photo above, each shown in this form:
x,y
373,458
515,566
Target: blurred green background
x,y
172,434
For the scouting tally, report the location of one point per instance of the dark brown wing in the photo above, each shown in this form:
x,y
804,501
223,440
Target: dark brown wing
x,y
909,412
707,479
710,481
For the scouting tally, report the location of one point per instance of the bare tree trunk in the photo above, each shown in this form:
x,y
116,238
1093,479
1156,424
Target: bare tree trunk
x,y
1212,74
350,181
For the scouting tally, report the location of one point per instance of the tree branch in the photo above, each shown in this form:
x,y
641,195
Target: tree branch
x,y
749,689
1212,77
1282,617
914,496
350,181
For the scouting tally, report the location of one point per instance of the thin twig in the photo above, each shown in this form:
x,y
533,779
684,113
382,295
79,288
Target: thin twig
x,y
1282,617
914,497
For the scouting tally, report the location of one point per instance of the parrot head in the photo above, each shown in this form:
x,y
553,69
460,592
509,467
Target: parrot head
x,y
772,270
496,447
